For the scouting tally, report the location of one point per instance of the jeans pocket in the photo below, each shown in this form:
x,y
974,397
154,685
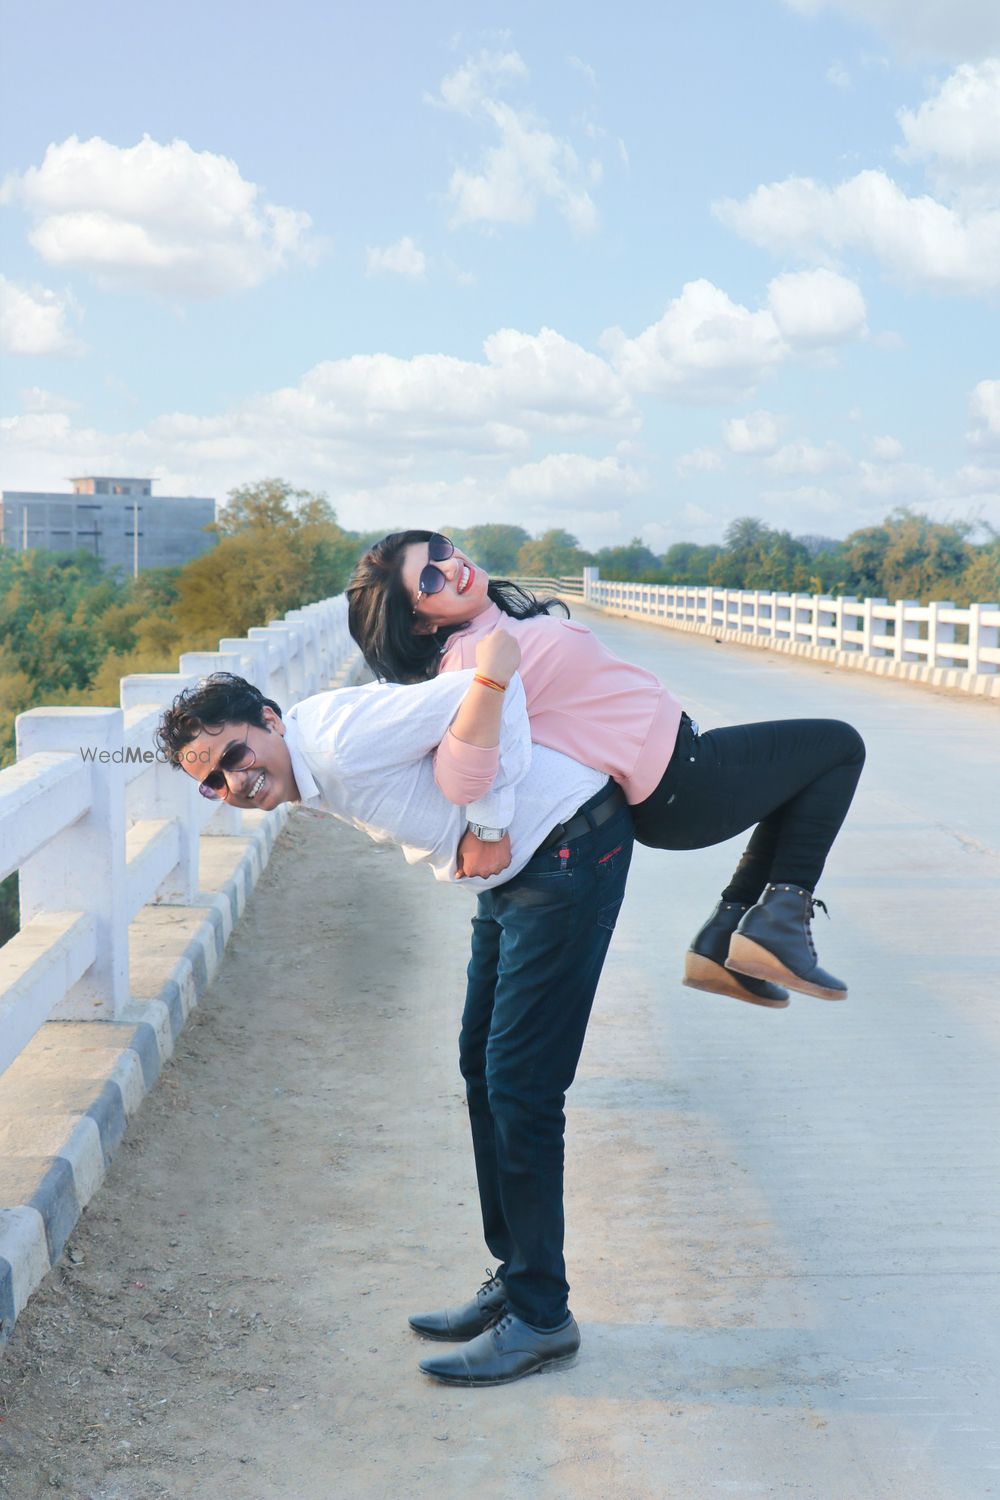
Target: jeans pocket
x,y
607,915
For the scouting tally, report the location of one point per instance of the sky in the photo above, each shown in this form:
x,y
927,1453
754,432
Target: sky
x,y
631,271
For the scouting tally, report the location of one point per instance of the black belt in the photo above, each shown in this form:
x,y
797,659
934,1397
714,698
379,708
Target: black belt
x,y
588,818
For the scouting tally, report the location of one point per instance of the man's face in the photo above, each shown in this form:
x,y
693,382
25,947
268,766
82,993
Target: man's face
x,y
265,781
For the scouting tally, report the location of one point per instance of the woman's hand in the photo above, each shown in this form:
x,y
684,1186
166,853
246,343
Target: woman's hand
x,y
498,656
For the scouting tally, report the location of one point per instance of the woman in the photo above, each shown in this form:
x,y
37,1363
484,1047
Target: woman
x,y
418,606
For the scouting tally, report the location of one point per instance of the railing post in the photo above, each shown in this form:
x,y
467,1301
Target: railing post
x,y
982,638
939,633
868,626
905,630
83,869
310,649
166,791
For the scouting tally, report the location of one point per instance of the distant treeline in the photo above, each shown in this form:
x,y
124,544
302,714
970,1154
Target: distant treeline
x,y
907,556
69,630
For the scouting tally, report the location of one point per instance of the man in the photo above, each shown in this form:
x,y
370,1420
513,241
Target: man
x,y
540,935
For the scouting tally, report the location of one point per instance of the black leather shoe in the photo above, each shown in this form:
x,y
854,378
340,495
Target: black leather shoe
x,y
705,962
774,942
505,1352
457,1323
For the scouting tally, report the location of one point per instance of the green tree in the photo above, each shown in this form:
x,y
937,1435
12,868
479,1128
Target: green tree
x,y
630,562
980,583
688,563
281,548
271,503
756,556
555,554
494,546
924,559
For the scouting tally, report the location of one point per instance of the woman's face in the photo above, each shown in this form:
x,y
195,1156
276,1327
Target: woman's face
x,y
462,598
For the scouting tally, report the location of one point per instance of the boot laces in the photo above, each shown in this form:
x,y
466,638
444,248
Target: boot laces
x,y
499,1322
491,1283
814,901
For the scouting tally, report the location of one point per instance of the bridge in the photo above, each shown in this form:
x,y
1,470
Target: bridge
x,y
783,1227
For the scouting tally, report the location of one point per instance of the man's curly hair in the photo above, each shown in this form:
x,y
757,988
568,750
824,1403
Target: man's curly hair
x,y
222,698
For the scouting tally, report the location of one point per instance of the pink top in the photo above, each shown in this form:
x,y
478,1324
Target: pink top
x,y
582,700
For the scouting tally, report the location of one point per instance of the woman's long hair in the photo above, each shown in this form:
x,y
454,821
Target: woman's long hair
x,y
380,612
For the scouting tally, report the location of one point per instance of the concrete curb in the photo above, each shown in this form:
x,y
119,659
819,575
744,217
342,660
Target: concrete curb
x,y
67,1099
977,684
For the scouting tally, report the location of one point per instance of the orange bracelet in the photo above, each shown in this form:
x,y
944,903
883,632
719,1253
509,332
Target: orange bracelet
x,y
499,687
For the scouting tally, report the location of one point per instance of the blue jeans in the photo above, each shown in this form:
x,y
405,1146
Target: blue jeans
x,y
538,947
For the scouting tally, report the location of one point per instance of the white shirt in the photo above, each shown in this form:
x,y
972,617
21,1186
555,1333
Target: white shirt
x,y
364,755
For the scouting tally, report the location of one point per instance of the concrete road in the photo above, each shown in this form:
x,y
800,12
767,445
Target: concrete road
x,y
783,1227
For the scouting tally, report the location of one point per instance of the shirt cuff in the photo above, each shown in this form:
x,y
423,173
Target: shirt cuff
x,y
465,772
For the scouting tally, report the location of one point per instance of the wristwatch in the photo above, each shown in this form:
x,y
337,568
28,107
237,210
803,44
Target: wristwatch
x,y
488,835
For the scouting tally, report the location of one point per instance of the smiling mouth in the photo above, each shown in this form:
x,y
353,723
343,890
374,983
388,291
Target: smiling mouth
x,y
256,786
465,582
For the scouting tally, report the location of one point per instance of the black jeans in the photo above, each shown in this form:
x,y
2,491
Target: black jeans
x,y
794,778
538,947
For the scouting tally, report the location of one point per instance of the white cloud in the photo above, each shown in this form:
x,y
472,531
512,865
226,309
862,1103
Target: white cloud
x,y
33,320
985,407
919,240
585,68
805,505
477,78
572,479
698,461
527,166
34,399
817,307
757,433
165,219
900,482
705,347
801,458
887,448
404,258
958,29
957,132
365,420
838,75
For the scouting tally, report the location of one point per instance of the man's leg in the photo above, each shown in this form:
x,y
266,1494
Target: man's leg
x,y
476,1021
556,921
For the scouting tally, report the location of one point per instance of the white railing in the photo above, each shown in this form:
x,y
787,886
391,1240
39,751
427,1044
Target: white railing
x,y
571,585
933,635
98,825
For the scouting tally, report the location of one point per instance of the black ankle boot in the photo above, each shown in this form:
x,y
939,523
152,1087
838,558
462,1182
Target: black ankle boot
x,y
774,941
704,962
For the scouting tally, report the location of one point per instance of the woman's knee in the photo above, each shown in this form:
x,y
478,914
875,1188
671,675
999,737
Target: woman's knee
x,y
852,745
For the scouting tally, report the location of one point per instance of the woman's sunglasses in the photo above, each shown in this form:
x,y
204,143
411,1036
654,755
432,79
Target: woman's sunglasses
x,y
237,758
432,580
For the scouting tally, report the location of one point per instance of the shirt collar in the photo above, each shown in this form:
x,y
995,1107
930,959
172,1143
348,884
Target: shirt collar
x,y
481,625
304,779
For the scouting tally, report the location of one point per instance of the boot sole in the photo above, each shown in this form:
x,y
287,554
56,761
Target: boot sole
x,y
550,1364
748,957
705,974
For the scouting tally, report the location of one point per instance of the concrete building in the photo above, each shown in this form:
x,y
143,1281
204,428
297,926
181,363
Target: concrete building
x,y
117,519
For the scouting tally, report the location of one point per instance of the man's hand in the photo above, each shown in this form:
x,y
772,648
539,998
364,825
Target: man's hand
x,y
498,656
477,858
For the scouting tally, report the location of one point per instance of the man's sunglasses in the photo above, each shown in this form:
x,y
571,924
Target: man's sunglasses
x,y
236,758
432,580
